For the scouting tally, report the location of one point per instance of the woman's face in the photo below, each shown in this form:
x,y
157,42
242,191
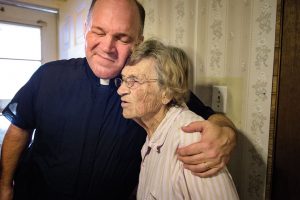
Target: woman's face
x,y
140,93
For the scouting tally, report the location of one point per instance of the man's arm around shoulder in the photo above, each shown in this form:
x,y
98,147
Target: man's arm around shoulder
x,y
212,153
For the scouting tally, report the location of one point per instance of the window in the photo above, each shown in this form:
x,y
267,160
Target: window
x,y
28,38
20,56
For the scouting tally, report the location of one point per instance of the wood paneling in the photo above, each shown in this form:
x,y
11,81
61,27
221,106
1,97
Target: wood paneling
x,y
274,99
286,152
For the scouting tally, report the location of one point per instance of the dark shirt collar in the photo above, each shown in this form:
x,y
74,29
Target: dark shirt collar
x,y
96,80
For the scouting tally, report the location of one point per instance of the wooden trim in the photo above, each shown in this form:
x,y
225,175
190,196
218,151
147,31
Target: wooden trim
x,y
274,98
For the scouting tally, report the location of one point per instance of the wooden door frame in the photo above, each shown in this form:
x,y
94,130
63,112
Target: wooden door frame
x,y
274,98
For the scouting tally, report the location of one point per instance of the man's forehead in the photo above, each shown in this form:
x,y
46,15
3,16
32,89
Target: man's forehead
x,y
128,6
116,16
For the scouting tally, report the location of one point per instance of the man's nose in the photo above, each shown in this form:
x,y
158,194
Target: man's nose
x,y
108,44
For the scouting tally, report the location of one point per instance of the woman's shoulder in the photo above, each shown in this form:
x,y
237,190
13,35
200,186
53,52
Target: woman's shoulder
x,y
187,116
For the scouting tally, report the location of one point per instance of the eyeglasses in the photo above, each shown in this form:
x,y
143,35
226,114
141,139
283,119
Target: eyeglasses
x,y
131,81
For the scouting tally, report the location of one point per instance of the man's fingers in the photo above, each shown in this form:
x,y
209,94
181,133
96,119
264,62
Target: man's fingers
x,y
203,170
209,173
200,168
192,149
192,160
193,127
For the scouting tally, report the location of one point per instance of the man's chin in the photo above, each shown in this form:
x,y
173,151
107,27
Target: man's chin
x,y
104,70
106,74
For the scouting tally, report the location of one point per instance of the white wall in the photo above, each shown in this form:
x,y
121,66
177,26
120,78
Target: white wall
x,y
71,25
71,18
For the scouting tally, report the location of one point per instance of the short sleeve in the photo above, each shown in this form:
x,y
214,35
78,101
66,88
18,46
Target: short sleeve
x,y
197,106
20,110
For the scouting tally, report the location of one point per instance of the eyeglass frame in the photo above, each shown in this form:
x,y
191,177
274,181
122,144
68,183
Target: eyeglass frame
x,y
132,82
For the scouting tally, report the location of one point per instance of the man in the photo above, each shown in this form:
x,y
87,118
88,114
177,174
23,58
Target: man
x,y
83,148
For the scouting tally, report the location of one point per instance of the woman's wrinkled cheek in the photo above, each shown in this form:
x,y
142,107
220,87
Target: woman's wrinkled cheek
x,y
142,103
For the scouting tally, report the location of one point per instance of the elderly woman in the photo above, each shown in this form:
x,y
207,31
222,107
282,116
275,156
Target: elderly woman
x,y
153,90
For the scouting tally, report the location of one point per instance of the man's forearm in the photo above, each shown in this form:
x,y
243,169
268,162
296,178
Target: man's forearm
x,y
14,143
227,127
222,121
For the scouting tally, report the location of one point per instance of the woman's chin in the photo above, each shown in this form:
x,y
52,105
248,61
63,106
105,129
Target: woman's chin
x,y
127,116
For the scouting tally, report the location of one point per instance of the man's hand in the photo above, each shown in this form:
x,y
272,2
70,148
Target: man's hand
x,y
207,157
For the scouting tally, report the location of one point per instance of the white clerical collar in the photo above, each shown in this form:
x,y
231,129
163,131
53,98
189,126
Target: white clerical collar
x,y
104,81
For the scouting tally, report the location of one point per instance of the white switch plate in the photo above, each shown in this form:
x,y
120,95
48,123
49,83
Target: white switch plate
x,y
219,98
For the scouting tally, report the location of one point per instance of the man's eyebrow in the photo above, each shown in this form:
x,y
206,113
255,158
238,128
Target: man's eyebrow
x,y
123,35
117,34
120,34
98,28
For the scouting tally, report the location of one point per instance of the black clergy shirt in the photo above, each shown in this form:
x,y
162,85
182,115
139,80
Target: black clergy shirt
x,y
83,148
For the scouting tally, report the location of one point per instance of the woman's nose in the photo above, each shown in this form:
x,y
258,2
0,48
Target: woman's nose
x,y
123,89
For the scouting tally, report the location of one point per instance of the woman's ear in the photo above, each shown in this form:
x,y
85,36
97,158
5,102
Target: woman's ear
x,y
165,98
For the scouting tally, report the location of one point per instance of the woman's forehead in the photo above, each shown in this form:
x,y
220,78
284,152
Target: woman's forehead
x,y
145,66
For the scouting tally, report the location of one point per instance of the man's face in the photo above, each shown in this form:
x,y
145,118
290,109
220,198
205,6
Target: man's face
x,y
143,99
111,34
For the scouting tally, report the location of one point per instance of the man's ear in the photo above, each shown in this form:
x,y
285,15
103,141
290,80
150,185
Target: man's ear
x,y
140,40
85,28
